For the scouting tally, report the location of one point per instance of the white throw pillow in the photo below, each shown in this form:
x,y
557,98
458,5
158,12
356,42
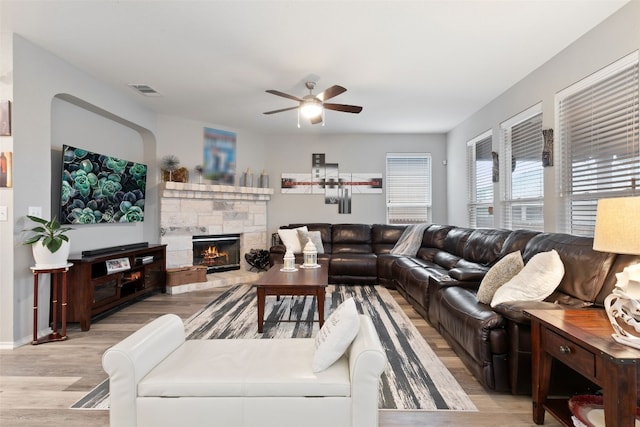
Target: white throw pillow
x,y
316,239
289,237
336,335
501,272
536,281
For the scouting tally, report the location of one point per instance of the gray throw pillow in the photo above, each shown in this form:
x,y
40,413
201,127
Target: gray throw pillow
x,y
502,271
316,239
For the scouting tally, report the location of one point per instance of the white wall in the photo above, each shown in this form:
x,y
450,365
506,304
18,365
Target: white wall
x,y
6,198
78,127
38,79
291,153
184,139
614,38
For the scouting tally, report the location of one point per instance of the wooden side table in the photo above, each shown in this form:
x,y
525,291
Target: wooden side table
x,y
581,339
57,274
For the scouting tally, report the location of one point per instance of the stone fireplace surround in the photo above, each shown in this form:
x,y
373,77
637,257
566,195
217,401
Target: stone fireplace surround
x,y
193,209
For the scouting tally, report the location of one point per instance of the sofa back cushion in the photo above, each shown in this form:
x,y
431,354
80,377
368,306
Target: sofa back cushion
x,y
433,241
516,241
384,237
485,245
456,240
351,238
585,270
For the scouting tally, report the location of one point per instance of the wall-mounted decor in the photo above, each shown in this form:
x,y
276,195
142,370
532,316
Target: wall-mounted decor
x,y
495,172
97,188
219,156
336,187
5,118
547,149
6,175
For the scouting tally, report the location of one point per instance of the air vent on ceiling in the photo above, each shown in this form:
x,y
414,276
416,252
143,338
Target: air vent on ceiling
x,y
146,90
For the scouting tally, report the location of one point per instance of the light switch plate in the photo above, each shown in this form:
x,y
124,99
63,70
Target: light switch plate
x,y
35,211
4,212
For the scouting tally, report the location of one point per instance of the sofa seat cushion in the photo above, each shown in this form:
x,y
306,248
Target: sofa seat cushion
x,y
245,368
346,264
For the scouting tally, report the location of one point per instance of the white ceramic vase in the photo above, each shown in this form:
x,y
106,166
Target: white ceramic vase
x,y
46,260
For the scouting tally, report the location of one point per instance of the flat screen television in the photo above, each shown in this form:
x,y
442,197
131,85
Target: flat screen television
x,y
97,188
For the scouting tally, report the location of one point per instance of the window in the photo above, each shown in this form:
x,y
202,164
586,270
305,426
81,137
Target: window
x,y
597,123
480,172
408,188
522,171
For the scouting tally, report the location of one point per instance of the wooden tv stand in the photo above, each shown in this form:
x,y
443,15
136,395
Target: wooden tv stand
x,y
94,290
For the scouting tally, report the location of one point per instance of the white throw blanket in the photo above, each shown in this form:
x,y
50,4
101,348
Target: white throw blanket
x,y
410,240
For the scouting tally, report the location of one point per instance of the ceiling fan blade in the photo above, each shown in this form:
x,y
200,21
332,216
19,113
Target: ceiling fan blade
x,y
342,107
282,94
329,93
315,120
280,110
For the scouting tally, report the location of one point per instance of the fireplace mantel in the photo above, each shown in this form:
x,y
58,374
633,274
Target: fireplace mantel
x,y
183,190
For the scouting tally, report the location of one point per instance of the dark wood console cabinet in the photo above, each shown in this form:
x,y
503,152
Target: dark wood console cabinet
x,y
93,290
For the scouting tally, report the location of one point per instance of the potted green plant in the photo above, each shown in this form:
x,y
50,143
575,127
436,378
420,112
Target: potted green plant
x,y
49,243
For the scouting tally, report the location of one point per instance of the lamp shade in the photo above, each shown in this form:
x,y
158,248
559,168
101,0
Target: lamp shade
x,y
618,226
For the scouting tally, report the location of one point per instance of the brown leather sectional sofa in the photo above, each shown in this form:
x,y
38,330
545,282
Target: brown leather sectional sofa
x,y
441,281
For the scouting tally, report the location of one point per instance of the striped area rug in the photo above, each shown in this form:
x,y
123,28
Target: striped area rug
x,y
415,379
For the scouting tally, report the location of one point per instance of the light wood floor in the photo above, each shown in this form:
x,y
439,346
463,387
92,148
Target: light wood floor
x,y
39,383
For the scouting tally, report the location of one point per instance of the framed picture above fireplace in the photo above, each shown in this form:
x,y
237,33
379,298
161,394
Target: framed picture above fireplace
x,y
219,163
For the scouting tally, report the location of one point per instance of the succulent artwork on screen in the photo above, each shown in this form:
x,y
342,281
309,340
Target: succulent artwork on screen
x,y
97,188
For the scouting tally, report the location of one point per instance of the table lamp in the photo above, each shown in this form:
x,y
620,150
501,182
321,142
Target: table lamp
x,y
618,230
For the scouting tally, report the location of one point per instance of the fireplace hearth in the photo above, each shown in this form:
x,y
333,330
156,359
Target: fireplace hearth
x,y
219,252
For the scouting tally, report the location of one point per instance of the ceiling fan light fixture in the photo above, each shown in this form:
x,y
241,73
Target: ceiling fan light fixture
x,y
311,108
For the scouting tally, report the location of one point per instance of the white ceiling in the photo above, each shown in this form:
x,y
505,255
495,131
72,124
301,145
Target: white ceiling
x,y
415,66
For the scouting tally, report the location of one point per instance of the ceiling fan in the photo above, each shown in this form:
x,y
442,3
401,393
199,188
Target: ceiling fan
x,y
312,106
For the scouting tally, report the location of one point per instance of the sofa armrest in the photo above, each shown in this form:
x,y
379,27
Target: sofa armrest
x,y
367,361
278,249
467,274
515,311
132,358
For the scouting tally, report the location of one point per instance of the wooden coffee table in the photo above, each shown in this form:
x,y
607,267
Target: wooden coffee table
x,y
305,281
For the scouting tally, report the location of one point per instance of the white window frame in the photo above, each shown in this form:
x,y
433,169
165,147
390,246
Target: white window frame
x,y
479,207
580,187
530,206
409,191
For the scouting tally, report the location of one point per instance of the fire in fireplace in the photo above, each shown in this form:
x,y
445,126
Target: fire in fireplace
x,y
217,252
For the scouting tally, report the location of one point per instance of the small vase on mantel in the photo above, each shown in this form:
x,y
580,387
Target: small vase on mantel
x,y
264,180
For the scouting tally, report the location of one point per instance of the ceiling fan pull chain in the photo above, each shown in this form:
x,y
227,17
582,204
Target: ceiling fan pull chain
x,y
298,118
323,121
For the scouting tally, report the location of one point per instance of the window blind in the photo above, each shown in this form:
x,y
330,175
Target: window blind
x,y
598,128
480,186
523,184
408,188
